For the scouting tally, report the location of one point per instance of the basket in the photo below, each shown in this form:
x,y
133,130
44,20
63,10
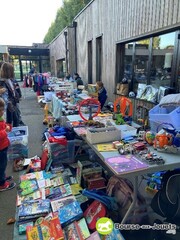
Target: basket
x,y
101,135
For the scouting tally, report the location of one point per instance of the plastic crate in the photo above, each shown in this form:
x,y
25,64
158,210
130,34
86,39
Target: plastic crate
x,y
101,135
18,143
169,114
60,153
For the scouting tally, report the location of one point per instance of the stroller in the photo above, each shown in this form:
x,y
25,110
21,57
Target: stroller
x,y
166,203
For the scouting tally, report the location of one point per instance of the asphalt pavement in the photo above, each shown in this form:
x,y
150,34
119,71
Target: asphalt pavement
x,y
32,116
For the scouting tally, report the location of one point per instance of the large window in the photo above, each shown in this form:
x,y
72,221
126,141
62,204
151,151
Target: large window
x,y
128,60
141,62
151,61
162,59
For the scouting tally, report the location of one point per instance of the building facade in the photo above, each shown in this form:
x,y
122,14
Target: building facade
x,y
113,39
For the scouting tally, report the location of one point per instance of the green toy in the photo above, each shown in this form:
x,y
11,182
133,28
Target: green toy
x,y
118,116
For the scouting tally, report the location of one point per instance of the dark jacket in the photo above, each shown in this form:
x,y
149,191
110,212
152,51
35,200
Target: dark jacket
x,y
102,96
79,81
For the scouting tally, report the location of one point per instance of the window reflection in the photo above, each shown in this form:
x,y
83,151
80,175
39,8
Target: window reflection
x,y
161,64
128,61
141,62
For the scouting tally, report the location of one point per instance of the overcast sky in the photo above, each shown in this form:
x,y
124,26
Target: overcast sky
x,y
23,22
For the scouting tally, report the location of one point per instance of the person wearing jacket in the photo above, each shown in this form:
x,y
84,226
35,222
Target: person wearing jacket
x,y
5,183
102,93
78,80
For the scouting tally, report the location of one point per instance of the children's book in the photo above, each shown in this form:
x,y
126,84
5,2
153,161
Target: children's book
x,y
73,232
27,186
81,198
69,179
79,172
69,213
115,234
33,233
46,230
22,227
66,172
125,163
57,181
56,204
39,194
30,209
106,147
83,228
75,188
56,229
94,236
62,191
33,175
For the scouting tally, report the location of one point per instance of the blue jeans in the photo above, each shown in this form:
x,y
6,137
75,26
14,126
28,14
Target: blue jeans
x,y
3,165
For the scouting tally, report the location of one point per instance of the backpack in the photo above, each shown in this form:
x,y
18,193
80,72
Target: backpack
x,y
122,190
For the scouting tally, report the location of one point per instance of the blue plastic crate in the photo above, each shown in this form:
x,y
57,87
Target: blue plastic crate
x,y
169,114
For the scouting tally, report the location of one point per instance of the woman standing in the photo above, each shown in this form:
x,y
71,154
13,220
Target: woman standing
x,y
8,93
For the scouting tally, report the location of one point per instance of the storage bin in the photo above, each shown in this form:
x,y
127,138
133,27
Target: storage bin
x,y
101,135
127,131
19,143
60,153
169,114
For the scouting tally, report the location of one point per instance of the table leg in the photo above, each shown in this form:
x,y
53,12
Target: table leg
x,y
133,202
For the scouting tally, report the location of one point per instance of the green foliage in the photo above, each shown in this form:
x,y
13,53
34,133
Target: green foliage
x,y
64,17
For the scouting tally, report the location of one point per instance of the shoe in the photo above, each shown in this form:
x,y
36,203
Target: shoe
x,y
9,178
7,186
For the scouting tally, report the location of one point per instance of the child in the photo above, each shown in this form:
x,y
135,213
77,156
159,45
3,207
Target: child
x,y
102,94
4,143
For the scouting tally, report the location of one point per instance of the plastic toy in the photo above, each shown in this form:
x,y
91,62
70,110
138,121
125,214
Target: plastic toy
x,y
90,104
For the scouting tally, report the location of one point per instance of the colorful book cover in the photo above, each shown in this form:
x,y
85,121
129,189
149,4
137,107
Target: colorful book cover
x,y
69,179
95,236
28,186
27,176
75,188
73,232
81,198
37,207
83,228
67,172
57,181
70,213
125,163
33,175
33,233
39,194
108,147
22,227
56,229
62,191
115,234
59,203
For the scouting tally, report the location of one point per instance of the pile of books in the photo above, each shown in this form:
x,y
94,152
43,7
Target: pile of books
x,y
49,204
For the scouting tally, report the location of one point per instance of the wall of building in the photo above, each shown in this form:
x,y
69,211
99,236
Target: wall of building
x,y
57,51
115,21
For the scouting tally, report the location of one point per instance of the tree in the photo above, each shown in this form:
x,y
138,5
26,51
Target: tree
x,y
64,17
